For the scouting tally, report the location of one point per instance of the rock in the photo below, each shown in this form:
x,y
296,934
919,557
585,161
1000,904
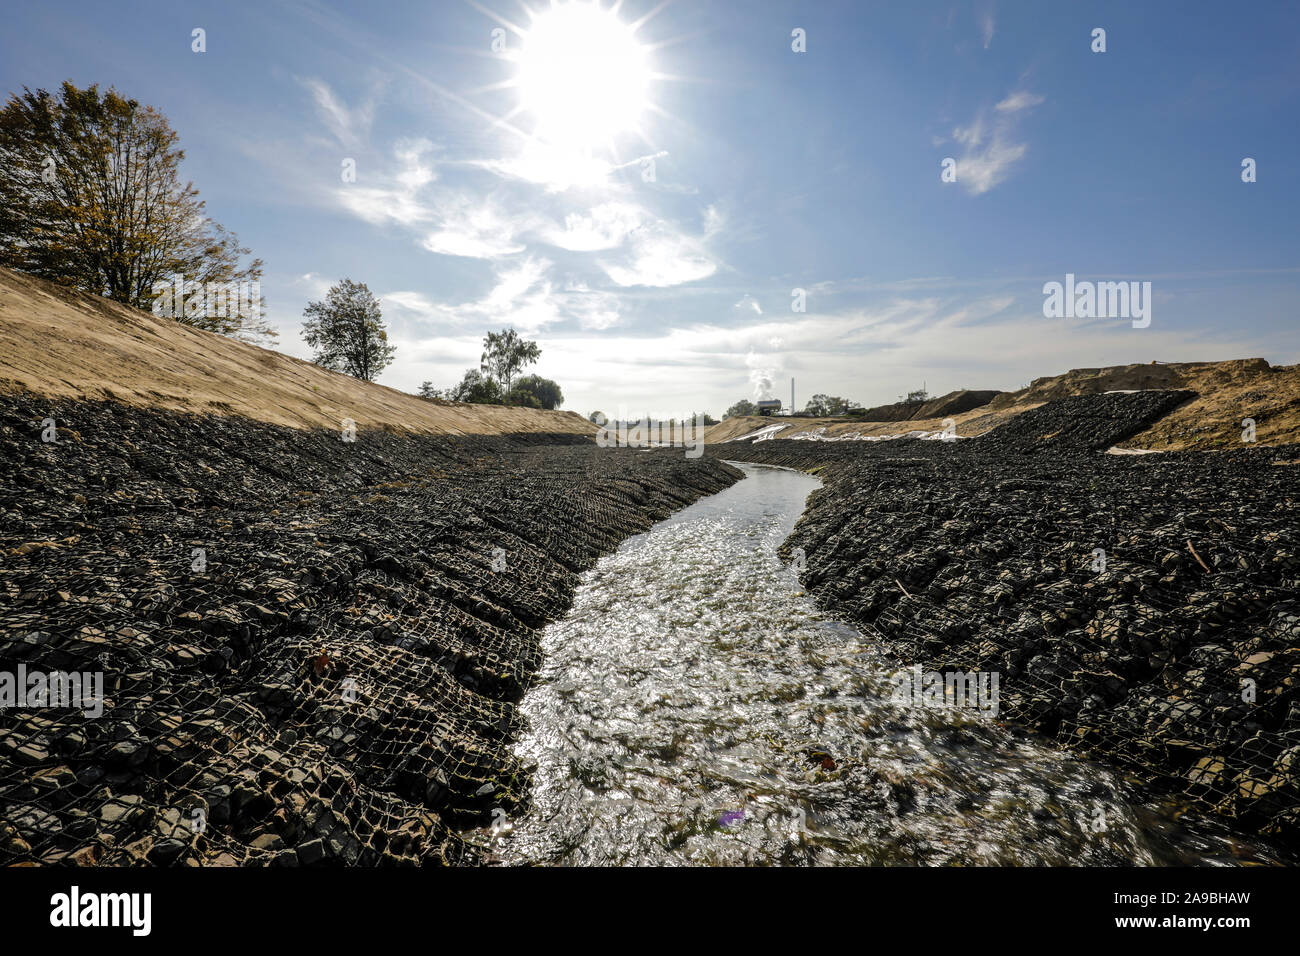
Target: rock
x,y
1020,516
1208,772
311,852
167,852
267,841
32,753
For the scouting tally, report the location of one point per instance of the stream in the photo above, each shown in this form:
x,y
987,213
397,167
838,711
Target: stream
x,y
696,708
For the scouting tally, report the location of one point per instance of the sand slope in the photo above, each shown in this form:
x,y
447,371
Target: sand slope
x,y
63,343
1228,391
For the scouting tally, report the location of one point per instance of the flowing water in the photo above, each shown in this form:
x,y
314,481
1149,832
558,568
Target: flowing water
x,y
696,708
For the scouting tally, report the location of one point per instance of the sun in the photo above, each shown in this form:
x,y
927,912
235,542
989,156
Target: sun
x,y
582,75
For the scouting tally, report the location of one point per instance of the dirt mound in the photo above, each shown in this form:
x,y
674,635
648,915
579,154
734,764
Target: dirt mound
x,y
58,342
955,403
1226,393
1156,375
893,412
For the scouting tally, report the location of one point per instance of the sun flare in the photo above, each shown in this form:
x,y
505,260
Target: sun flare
x,y
582,75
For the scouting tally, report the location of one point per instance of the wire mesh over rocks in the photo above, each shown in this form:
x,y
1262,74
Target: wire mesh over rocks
x,y
1084,422
311,648
1144,609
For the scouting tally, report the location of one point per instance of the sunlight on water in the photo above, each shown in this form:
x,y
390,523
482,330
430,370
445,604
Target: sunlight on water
x,y
695,708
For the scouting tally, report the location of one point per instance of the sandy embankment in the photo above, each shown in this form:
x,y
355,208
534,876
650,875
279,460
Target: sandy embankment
x,y
310,648
66,344
1227,392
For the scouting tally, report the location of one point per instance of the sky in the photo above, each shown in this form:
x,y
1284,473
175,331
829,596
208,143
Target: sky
x,y
690,203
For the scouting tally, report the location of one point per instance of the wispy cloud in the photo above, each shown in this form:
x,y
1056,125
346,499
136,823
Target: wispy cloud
x,y
1019,100
396,197
350,126
991,149
462,221
985,341
475,229
987,26
524,295
593,310
605,226
661,257
542,165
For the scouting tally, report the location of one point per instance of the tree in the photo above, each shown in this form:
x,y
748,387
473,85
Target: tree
x,y
428,391
598,418
347,331
477,388
546,392
91,197
821,406
917,395
523,397
504,354
742,407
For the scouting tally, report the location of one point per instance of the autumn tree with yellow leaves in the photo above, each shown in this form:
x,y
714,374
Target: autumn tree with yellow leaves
x,y
91,197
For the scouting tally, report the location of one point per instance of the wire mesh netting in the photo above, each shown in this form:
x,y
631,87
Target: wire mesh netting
x,y
1140,608
311,649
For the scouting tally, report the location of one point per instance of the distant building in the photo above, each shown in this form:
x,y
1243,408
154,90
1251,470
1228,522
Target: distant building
x,y
769,406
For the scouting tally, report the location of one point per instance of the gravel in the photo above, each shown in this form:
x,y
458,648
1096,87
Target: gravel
x,y
311,649
1144,610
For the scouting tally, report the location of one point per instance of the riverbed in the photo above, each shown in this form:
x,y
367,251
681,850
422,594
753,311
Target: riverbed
x,y
696,708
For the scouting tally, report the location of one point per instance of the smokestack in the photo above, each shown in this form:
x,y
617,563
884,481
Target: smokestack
x,y
791,394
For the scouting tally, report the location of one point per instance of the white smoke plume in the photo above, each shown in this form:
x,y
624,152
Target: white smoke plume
x,y
764,370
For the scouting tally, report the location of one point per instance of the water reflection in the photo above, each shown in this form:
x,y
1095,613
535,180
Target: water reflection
x,y
696,708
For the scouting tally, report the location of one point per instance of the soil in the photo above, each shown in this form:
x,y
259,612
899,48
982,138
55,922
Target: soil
x,y
62,343
1226,393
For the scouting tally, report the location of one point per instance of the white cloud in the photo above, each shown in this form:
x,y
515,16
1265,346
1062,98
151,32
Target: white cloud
x,y
462,224
660,256
713,220
987,26
349,126
594,310
605,227
980,341
313,284
476,228
396,197
981,168
749,302
991,154
415,303
1021,99
547,166
523,295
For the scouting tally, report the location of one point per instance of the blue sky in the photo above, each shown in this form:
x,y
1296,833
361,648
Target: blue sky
x,y
772,171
